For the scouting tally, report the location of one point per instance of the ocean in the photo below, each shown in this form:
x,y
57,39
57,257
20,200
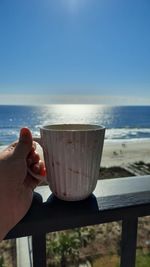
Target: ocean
x,y
121,122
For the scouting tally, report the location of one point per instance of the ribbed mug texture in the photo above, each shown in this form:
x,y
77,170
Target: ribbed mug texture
x,y
72,161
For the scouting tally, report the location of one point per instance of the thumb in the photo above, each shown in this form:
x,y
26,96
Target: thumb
x,y
24,144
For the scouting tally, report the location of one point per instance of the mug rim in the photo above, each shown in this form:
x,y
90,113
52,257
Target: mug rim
x,y
74,127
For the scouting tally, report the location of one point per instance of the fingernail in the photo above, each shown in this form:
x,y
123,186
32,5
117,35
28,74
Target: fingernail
x,y
25,136
24,132
43,172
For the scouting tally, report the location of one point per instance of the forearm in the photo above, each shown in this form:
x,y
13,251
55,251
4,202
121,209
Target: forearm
x,y
5,215
5,211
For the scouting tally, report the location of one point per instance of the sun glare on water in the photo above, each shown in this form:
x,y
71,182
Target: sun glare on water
x,y
72,113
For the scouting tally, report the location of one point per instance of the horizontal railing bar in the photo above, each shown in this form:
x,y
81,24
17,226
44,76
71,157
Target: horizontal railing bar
x,y
26,228
110,202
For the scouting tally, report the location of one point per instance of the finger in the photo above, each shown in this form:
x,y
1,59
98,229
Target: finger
x,y
33,149
39,168
8,151
31,182
24,144
34,145
33,158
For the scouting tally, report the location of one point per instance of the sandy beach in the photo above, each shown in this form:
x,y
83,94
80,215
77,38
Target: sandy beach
x,y
122,153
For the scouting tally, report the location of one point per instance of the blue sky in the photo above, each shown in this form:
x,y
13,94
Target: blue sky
x,y
88,50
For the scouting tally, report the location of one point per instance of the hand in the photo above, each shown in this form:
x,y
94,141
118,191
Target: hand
x,y
16,184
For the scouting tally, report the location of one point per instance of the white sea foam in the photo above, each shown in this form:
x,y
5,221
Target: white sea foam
x,y
127,133
9,135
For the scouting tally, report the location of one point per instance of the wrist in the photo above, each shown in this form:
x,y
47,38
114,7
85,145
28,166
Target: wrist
x,y
4,222
3,230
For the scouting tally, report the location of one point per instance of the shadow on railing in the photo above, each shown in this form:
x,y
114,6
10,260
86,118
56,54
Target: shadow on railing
x,y
123,199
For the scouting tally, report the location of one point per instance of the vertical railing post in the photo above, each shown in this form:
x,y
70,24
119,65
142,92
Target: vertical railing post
x,y
39,250
128,242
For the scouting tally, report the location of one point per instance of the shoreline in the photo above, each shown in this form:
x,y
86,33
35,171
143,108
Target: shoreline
x,y
122,152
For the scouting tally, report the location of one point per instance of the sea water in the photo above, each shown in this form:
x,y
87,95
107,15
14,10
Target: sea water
x,y
121,122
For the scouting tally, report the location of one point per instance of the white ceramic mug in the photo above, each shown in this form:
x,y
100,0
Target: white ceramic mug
x,y
72,155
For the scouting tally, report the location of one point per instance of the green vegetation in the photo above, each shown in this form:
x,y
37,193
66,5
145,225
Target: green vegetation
x,y
63,247
142,259
1,261
106,261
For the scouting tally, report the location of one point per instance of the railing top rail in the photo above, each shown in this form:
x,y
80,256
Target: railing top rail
x,y
112,200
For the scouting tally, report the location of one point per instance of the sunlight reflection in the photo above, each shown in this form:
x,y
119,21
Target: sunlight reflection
x,y
72,113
